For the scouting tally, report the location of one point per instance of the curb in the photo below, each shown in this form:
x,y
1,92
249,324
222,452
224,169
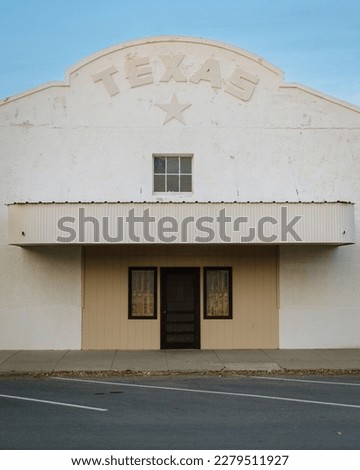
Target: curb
x,y
164,373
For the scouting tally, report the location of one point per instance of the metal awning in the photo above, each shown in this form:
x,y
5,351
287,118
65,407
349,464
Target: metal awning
x,y
275,223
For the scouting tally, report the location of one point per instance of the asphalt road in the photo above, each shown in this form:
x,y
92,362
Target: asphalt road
x,y
314,412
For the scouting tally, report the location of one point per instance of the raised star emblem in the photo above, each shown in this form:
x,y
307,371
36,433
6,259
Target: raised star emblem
x,y
174,109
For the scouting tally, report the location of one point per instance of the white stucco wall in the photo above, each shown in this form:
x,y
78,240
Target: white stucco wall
x,y
319,297
40,296
76,142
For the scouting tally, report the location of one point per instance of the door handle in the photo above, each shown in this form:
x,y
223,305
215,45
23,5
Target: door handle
x,y
164,312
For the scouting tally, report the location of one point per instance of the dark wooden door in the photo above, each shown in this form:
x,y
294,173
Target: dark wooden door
x,y
180,308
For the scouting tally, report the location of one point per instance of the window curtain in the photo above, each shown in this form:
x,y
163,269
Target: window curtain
x,y
217,291
142,294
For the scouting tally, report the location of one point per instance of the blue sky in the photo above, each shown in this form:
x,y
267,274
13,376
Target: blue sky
x,y
315,42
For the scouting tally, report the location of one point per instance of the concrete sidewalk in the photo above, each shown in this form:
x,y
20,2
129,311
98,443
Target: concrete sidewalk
x,y
265,360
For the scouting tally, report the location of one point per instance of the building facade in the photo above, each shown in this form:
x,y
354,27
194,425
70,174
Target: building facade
x,y
175,192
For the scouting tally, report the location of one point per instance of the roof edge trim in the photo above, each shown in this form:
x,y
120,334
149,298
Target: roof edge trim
x,y
319,94
23,94
187,39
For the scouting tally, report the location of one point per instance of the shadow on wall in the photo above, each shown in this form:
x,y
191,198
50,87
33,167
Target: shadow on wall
x,y
319,275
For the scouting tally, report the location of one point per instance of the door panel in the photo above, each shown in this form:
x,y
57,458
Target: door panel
x,y
180,315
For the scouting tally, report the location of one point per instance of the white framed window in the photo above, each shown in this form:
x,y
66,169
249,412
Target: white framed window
x,y
172,173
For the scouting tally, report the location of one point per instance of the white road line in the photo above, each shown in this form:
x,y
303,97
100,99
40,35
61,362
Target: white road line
x,y
307,381
53,402
211,392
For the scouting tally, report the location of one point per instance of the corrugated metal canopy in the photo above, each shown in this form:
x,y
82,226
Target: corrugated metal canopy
x,y
278,223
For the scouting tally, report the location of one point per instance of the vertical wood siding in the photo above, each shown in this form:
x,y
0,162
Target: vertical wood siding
x,y
255,321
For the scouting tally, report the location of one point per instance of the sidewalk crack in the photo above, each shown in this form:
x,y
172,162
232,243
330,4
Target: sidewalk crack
x,y
166,359
113,360
218,358
60,359
271,358
12,355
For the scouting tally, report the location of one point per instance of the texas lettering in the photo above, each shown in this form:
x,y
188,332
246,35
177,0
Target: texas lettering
x,y
139,71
